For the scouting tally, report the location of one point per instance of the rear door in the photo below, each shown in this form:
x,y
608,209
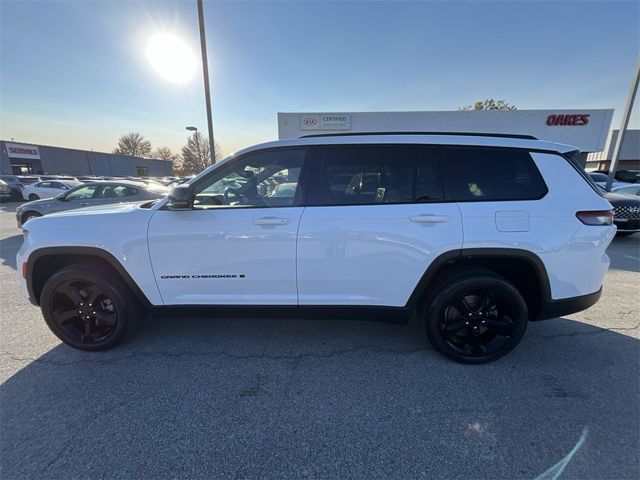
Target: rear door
x,y
376,218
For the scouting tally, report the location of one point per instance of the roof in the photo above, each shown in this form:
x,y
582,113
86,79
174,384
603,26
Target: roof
x,y
419,138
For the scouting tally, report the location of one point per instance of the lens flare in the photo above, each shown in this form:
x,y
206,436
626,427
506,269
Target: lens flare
x,y
171,57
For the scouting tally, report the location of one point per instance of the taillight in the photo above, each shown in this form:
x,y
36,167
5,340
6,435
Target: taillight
x,y
596,217
25,269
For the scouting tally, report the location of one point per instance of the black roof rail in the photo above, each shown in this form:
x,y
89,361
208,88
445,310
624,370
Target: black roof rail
x,y
462,134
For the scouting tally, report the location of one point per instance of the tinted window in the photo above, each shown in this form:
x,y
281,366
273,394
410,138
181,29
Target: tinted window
x,y
483,174
117,191
365,175
252,181
43,185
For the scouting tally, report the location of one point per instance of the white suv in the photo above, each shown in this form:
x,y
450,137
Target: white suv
x,y
467,236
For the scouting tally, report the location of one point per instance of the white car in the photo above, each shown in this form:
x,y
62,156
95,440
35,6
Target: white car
x,y
468,236
47,189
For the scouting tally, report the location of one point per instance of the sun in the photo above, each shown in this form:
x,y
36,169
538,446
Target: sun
x,y
171,57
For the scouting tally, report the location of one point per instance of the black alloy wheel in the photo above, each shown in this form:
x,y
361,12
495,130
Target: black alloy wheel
x,y
89,307
84,312
33,197
477,319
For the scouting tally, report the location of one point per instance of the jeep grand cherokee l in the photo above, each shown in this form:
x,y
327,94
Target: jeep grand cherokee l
x,y
469,237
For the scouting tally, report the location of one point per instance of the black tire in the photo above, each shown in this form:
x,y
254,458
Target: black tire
x,y
625,234
29,216
89,307
474,316
33,196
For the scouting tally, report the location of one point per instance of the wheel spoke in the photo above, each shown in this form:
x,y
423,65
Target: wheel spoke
x,y
475,342
92,294
488,302
105,318
455,327
502,326
64,317
72,293
462,307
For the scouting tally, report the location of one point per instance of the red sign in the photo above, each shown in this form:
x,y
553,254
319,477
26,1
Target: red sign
x,y
568,120
23,151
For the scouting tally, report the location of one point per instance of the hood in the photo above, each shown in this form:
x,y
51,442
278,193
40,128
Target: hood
x,y
98,210
617,199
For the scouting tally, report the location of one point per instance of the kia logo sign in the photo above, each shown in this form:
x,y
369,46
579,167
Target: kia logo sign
x,y
568,120
309,122
23,151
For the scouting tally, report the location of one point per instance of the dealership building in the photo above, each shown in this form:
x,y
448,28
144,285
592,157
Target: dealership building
x,y
588,130
27,158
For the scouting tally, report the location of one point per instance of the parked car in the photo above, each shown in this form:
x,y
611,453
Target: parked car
x,y
59,177
5,191
628,176
626,212
47,189
469,236
633,189
88,195
601,179
17,182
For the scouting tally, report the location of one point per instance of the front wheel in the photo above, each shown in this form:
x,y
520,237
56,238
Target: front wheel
x,y
476,318
89,307
33,196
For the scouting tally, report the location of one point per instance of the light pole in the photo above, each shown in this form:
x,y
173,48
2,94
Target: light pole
x,y
205,71
195,135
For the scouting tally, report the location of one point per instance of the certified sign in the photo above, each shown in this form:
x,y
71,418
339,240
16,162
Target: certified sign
x,y
16,150
325,121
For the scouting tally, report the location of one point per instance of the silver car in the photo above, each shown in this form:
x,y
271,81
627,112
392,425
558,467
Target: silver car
x,y
89,195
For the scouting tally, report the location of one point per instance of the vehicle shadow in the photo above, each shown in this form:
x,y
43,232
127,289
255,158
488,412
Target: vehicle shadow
x,y
9,249
624,253
216,398
10,207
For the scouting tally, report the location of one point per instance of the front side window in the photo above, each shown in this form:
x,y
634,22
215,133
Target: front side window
x,y
491,174
261,179
81,193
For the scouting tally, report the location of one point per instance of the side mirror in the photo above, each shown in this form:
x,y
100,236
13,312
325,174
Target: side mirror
x,y
61,197
180,198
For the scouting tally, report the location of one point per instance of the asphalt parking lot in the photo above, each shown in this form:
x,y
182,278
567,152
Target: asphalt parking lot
x,y
220,398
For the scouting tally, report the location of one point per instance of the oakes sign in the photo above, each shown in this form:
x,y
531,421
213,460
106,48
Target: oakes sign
x,y
325,121
568,120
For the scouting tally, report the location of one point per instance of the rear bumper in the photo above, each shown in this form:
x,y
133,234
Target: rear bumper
x,y
567,306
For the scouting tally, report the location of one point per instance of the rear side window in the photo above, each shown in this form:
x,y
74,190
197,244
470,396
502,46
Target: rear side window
x,y
487,174
380,174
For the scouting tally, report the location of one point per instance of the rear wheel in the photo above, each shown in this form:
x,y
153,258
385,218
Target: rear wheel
x,y
475,318
89,308
33,196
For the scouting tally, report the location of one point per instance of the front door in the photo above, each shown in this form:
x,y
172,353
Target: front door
x,y
238,244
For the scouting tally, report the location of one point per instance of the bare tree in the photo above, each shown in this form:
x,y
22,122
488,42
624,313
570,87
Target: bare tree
x,y
165,153
489,104
196,155
133,143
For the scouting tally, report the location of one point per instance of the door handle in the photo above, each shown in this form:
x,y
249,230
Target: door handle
x,y
271,221
429,218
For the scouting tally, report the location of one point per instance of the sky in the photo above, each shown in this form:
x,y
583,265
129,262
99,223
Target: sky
x,y
76,73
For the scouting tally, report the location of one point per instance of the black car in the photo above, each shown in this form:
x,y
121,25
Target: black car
x,y
626,212
16,183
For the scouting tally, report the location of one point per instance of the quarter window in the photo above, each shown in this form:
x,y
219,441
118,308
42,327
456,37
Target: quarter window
x,y
486,174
